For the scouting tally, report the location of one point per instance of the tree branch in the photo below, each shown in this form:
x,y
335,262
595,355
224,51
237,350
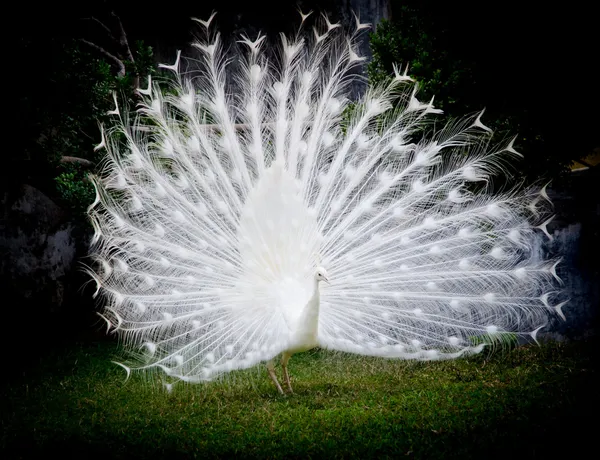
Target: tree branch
x,y
125,44
123,38
76,160
106,29
112,57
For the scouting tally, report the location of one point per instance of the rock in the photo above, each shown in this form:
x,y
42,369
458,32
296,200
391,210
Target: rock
x,y
37,250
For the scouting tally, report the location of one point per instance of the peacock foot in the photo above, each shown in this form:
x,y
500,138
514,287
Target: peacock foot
x,y
271,370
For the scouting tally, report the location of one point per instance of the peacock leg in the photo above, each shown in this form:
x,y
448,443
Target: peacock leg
x,y
271,369
284,362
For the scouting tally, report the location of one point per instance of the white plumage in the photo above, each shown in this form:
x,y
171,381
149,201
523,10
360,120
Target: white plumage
x,y
220,201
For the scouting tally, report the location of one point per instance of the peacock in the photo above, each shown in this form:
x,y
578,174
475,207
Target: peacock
x,y
256,211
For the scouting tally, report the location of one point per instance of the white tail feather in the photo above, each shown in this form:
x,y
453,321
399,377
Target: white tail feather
x,y
207,235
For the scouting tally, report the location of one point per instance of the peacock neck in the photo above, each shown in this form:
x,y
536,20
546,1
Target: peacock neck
x,y
310,313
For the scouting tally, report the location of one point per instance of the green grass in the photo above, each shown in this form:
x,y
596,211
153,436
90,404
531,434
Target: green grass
x,y
533,402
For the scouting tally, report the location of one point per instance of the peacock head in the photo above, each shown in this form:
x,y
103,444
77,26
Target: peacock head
x,y
321,275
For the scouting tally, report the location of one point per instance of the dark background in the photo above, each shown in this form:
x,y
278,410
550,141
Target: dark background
x,y
539,60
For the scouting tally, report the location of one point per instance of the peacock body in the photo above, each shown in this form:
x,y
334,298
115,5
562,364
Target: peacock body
x,y
220,212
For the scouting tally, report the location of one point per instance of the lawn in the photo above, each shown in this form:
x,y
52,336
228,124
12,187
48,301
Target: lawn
x,y
532,402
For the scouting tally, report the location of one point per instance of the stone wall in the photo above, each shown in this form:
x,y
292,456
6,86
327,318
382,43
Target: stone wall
x,y
37,251
576,239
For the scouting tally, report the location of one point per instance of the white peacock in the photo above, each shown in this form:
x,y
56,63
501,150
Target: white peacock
x,y
213,240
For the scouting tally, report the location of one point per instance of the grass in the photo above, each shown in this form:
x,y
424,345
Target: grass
x,y
533,402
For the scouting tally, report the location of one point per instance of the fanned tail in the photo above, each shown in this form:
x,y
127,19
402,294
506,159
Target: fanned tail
x,y
203,239
215,206
421,265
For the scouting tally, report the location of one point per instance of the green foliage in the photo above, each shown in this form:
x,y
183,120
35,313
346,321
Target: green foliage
x,y
61,109
74,188
63,101
509,406
409,42
140,69
438,58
